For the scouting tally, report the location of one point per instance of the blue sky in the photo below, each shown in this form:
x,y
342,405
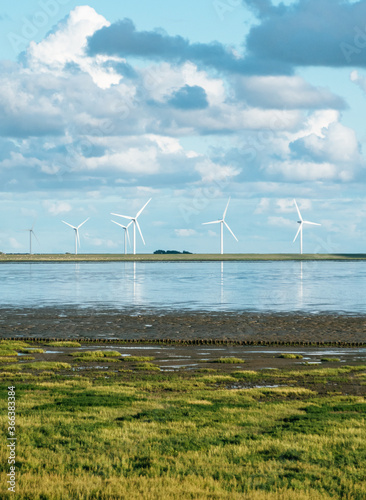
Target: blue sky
x,y
107,104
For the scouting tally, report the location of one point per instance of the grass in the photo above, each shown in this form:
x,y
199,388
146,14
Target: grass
x,y
135,359
143,434
291,356
330,360
40,365
64,343
95,355
228,360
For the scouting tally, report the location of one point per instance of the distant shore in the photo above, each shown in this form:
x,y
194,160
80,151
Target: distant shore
x,y
11,258
243,327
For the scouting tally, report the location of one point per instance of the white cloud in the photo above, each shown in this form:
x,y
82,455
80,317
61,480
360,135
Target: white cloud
x,y
289,92
57,207
212,172
281,222
67,45
185,233
14,243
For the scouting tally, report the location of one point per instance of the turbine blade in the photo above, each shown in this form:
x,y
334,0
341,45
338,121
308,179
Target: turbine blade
x,y
86,220
138,227
118,224
213,222
298,211
140,211
312,223
34,234
128,236
298,231
223,217
124,216
231,231
68,224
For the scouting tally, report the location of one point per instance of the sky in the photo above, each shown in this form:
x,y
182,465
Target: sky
x,y
107,104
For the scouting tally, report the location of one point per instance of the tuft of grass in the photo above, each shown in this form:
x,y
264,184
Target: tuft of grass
x,y
147,366
6,359
135,359
40,365
64,343
228,361
95,354
26,358
291,356
330,360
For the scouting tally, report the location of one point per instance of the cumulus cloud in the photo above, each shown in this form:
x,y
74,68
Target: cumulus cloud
x,y
67,45
309,33
290,92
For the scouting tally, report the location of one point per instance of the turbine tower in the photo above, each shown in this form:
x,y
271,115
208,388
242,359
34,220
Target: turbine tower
x,y
135,223
222,223
302,222
126,233
76,229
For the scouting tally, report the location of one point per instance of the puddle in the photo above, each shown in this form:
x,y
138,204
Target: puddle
x,y
179,366
53,352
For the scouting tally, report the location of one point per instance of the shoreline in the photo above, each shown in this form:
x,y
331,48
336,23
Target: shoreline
x,y
61,258
248,328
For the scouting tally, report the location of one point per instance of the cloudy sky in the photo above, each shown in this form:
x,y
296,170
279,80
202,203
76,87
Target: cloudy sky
x,y
105,105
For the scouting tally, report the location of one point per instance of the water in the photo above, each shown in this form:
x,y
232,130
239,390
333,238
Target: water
x,y
310,287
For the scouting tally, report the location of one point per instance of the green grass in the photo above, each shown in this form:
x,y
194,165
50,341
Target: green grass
x,y
155,435
228,360
291,356
95,355
40,365
330,360
134,359
64,343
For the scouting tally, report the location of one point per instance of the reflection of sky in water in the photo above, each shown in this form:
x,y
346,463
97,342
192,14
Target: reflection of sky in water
x,y
229,286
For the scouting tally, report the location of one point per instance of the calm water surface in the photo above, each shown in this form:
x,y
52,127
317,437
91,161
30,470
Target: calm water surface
x,y
212,286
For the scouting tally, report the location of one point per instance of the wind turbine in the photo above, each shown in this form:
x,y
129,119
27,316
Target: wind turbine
x,y
126,232
135,223
76,229
302,222
222,222
31,232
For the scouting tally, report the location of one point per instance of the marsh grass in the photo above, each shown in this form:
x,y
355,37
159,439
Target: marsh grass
x,y
40,365
96,354
228,360
175,436
64,343
330,360
134,359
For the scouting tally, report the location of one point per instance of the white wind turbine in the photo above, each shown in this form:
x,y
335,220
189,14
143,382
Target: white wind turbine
x,y
31,232
222,222
76,229
302,222
125,231
135,223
